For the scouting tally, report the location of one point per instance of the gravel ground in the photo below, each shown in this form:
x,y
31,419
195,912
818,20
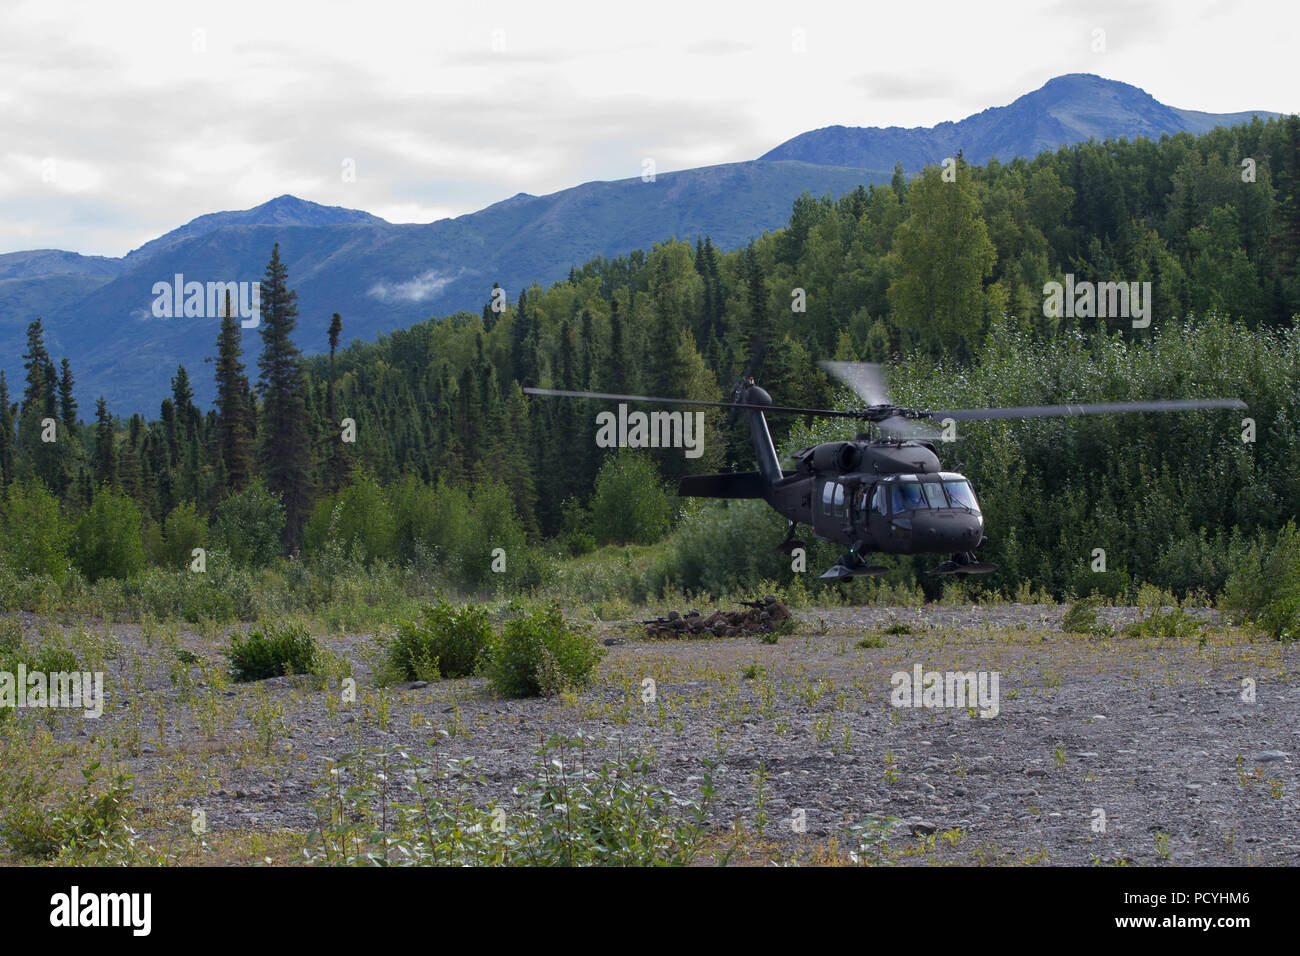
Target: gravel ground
x,y
1103,749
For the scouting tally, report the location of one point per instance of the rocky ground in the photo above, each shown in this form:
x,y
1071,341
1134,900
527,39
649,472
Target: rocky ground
x,y
1103,749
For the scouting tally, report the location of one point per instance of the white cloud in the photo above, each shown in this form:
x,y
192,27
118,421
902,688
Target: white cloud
x,y
417,289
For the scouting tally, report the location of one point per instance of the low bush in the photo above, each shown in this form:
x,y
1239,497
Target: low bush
x,y
538,653
272,650
574,809
1081,618
445,641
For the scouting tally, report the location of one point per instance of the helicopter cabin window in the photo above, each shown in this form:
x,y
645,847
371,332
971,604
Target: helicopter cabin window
x,y
828,492
838,504
878,501
961,495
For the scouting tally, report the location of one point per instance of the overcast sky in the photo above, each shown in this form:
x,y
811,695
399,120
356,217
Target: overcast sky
x,y
120,121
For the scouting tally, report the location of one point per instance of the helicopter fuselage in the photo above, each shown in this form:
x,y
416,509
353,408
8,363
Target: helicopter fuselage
x,y
890,497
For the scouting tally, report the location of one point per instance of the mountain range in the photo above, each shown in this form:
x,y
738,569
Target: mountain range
x,y
382,276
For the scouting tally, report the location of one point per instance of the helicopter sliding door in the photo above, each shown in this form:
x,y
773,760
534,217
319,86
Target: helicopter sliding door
x,y
831,510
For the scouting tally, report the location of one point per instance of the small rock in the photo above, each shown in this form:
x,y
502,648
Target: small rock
x,y
614,641
1268,756
923,828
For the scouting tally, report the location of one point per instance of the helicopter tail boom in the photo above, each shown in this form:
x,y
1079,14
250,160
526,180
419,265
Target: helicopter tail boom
x,y
745,484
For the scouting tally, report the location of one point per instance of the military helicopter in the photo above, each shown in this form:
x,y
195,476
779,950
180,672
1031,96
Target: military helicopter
x,y
881,494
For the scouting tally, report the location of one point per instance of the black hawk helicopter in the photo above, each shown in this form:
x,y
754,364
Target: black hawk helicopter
x,y
882,494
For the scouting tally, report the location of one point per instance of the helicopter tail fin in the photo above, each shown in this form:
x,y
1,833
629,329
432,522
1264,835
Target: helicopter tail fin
x,y
769,464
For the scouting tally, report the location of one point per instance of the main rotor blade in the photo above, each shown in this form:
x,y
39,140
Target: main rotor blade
x,y
776,409
901,428
867,379
1104,408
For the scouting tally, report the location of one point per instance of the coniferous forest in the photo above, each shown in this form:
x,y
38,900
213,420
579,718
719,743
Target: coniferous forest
x,y
416,457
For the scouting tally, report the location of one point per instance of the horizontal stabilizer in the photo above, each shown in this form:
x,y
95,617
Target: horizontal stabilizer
x,y
744,484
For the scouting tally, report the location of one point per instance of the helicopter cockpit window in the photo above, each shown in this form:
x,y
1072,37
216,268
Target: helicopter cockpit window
x,y
907,496
961,495
934,494
839,499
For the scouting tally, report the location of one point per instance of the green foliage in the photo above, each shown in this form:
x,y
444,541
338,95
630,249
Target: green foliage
x,y
574,810
34,535
185,529
445,641
107,541
1081,618
538,653
630,504
357,519
272,650
1265,587
493,524
248,527
42,819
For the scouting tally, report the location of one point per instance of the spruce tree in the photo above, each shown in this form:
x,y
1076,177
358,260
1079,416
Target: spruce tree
x,y
67,403
6,434
35,360
284,446
234,431
105,453
339,464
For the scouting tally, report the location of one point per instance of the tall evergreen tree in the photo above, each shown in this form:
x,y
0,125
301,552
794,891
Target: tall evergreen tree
x,y
339,463
35,360
234,425
6,434
284,447
105,453
67,401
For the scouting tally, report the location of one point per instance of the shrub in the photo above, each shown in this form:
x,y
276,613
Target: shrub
x,y
34,536
575,529
107,541
185,529
725,548
493,523
357,518
630,504
42,820
1081,618
445,642
572,810
537,653
1264,587
271,651
248,527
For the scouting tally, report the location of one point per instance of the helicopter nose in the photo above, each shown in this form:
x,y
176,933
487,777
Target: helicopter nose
x,y
947,531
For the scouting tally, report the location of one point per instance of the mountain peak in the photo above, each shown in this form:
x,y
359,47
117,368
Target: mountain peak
x,y
1066,109
283,210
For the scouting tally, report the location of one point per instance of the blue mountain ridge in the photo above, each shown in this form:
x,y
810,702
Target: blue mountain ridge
x,y
383,276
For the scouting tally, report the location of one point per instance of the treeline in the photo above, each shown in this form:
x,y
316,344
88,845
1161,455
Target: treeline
x,y
947,268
